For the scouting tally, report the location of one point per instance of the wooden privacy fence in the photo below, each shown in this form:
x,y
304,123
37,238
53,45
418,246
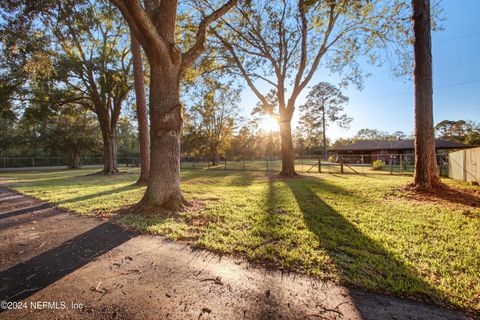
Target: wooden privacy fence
x,y
464,165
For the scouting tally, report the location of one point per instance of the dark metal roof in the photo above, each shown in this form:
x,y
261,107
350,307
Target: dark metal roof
x,y
397,145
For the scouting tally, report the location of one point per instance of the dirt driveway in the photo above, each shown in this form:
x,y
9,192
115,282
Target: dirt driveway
x,y
62,266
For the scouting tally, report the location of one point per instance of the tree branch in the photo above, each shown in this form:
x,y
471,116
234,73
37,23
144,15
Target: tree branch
x,y
143,28
244,72
189,57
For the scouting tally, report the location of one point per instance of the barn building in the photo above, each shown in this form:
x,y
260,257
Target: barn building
x,y
387,151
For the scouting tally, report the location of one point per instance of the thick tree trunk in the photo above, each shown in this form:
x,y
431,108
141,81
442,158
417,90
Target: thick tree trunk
x,y
163,188
142,115
288,154
75,160
426,173
109,153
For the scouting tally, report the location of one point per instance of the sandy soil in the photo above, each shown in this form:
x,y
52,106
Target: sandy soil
x,y
63,266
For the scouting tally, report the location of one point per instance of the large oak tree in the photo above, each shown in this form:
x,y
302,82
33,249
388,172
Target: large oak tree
x,y
154,24
96,65
82,59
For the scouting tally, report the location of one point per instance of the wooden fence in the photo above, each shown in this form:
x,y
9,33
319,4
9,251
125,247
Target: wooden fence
x,y
464,165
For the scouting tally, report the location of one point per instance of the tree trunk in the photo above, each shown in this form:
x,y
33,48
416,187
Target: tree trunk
x,y
324,133
426,174
75,160
214,159
163,188
214,153
142,115
288,155
109,153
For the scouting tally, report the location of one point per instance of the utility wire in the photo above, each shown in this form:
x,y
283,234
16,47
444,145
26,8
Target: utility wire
x,y
437,87
458,84
458,37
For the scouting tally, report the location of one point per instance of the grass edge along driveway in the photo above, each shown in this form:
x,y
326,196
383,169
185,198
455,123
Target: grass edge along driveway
x,y
351,229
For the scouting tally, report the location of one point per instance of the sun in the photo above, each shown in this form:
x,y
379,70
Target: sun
x,y
268,123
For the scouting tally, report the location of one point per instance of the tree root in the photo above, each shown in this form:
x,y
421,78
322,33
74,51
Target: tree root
x,y
426,187
141,182
289,174
110,172
167,209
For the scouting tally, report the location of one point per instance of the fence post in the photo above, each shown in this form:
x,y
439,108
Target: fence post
x,y
225,163
243,167
341,164
33,162
319,164
3,162
267,164
391,168
362,163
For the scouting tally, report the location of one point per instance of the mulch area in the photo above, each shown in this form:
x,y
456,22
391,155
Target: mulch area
x,y
447,196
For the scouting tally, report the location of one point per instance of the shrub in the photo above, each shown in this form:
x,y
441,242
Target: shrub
x,y
378,164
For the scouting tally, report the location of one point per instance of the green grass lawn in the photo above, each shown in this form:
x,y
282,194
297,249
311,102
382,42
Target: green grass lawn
x,y
351,229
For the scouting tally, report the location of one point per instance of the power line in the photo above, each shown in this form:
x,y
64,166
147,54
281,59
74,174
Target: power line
x,y
458,37
457,84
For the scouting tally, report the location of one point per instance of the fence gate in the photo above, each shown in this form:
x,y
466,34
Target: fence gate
x,y
464,165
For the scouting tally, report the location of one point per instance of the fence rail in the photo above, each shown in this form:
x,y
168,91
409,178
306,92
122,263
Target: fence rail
x,y
342,163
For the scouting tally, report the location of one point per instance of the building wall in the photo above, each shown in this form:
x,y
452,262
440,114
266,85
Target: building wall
x,y
407,156
368,156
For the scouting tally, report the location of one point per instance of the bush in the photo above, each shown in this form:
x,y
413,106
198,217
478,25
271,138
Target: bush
x,y
378,164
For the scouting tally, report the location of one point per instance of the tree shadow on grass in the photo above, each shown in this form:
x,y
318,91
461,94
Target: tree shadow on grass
x,y
98,194
220,177
359,260
243,179
74,181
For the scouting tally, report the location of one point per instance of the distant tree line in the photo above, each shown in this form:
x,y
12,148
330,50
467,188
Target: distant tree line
x,y
463,131
69,133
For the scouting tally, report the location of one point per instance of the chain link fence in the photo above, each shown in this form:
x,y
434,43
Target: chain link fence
x,y
20,163
341,163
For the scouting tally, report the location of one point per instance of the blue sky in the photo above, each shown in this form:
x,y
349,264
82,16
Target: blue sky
x,y
386,102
